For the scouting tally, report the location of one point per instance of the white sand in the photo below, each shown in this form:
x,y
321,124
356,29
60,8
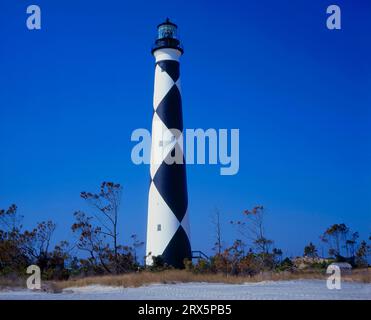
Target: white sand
x,y
286,290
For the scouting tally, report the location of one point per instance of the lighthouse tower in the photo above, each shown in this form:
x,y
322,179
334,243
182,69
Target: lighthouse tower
x,y
168,225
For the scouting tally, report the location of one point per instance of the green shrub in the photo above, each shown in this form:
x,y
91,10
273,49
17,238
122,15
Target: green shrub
x,y
285,265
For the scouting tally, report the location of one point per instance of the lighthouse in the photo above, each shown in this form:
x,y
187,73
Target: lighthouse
x,y
168,233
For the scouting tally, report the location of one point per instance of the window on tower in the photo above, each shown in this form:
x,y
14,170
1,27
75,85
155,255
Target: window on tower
x,y
167,31
159,227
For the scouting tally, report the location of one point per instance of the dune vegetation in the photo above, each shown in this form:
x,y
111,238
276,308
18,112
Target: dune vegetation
x,y
96,255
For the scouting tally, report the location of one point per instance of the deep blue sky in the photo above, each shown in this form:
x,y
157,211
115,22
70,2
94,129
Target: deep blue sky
x,y
72,93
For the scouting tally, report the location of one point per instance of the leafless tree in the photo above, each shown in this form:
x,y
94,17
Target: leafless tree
x,y
350,244
10,220
218,232
253,229
136,244
98,235
91,241
36,242
335,236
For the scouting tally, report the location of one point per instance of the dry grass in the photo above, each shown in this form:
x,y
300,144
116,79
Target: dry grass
x,y
179,276
182,276
359,275
11,281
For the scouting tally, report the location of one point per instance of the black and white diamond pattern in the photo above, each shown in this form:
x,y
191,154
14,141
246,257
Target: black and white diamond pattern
x,y
168,225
